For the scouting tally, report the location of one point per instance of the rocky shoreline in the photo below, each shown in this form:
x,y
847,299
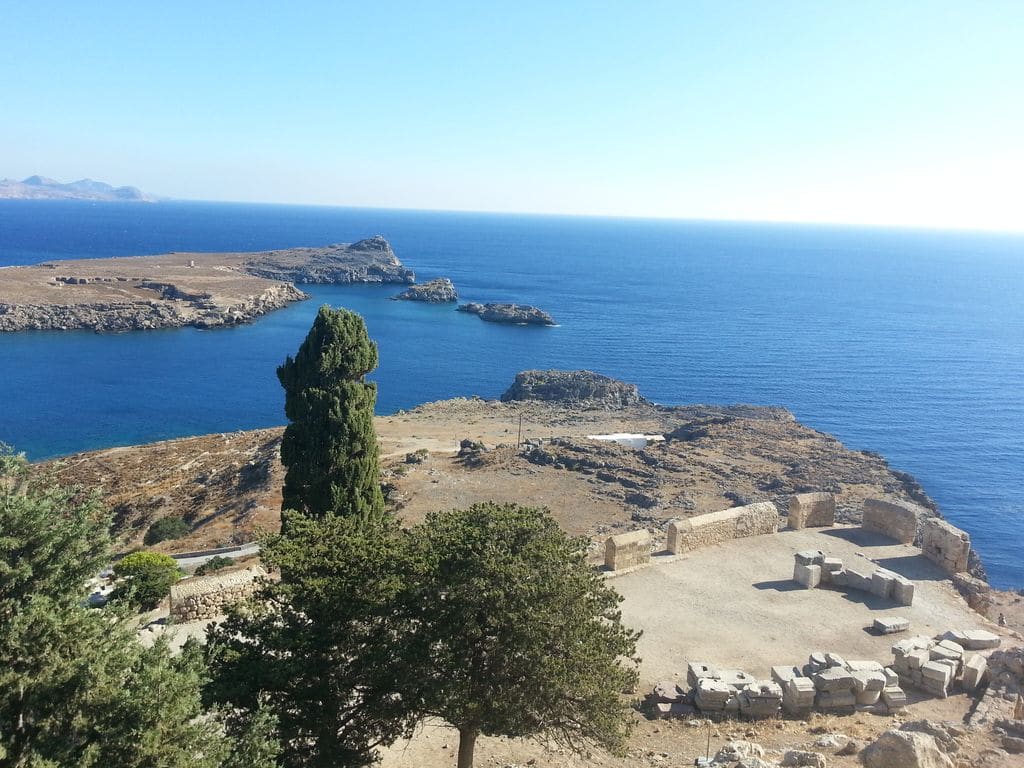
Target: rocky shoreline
x,y
203,290
438,291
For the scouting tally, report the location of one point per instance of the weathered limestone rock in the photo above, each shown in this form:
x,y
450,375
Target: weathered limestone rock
x,y
668,692
974,672
945,545
626,550
810,510
974,639
906,749
699,670
903,591
894,698
882,583
895,519
583,388
810,557
438,291
206,597
513,314
715,527
783,674
800,758
889,625
975,591
807,575
798,696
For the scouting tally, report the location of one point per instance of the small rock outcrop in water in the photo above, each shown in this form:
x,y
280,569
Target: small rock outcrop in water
x,y
517,314
585,388
439,291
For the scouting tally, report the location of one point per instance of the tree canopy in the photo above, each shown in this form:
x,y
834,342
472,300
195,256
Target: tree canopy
x,y
147,578
518,635
329,447
77,688
326,647
489,618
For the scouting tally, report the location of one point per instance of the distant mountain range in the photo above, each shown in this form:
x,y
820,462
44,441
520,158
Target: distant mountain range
x,y
42,188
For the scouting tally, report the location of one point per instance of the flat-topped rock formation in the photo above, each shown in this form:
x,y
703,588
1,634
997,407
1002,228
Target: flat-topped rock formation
x,y
439,291
582,388
205,290
514,314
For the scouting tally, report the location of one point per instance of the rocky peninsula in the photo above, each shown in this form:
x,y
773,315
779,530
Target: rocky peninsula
x,y
438,291
204,290
514,314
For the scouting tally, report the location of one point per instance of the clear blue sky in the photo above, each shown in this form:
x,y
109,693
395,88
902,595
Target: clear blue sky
x,y
891,112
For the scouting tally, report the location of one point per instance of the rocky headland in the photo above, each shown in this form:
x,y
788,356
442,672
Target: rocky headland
x,y
42,188
584,389
514,314
438,291
204,290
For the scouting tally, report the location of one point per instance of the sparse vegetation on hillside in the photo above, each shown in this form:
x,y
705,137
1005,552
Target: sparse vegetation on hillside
x,y
165,529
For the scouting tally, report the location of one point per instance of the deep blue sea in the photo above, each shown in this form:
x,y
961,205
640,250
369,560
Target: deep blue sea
x,y
903,342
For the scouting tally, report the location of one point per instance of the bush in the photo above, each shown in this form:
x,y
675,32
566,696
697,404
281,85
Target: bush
x,y
165,529
146,578
214,564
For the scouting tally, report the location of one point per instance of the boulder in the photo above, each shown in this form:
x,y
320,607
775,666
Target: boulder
x,y
905,749
798,757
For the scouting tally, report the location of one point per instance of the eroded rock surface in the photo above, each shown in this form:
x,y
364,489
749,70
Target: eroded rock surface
x,y
439,291
515,314
580,388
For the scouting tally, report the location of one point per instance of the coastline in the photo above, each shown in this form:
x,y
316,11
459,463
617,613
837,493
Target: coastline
x,y
174,290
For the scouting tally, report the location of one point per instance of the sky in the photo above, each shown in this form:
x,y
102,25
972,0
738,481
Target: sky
x,y
905,113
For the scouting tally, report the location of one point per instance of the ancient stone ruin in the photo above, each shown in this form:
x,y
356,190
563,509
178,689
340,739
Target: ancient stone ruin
x,y
715,527
831,684
812,510
627,550
813,569
940,665
206,597
945,545
895,519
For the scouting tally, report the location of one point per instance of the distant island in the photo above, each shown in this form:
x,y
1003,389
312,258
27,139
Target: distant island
x,y
42,188
204,290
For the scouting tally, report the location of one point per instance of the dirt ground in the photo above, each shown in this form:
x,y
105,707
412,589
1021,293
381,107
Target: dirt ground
x,y
735,605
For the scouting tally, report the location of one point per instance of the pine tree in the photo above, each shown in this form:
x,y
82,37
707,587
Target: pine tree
x,y
329,446
77,688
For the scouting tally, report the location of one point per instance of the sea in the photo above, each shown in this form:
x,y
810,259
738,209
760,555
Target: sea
x,y
907,343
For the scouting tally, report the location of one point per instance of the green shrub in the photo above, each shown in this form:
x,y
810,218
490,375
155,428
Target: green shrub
x,y
146,578
214,564
164,529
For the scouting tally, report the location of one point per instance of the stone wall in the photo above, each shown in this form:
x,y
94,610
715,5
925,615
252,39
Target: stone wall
x,y
206,597
945,545
715,527
895,519
626,550
812,510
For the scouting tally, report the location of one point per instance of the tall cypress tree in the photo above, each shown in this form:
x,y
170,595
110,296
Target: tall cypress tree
x,y
329,446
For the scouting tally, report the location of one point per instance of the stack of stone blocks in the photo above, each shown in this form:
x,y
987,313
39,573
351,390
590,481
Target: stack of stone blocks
x,y
829,683
812,510
627,550
813,569
945,545
206,597
940,666
732,692
715,527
